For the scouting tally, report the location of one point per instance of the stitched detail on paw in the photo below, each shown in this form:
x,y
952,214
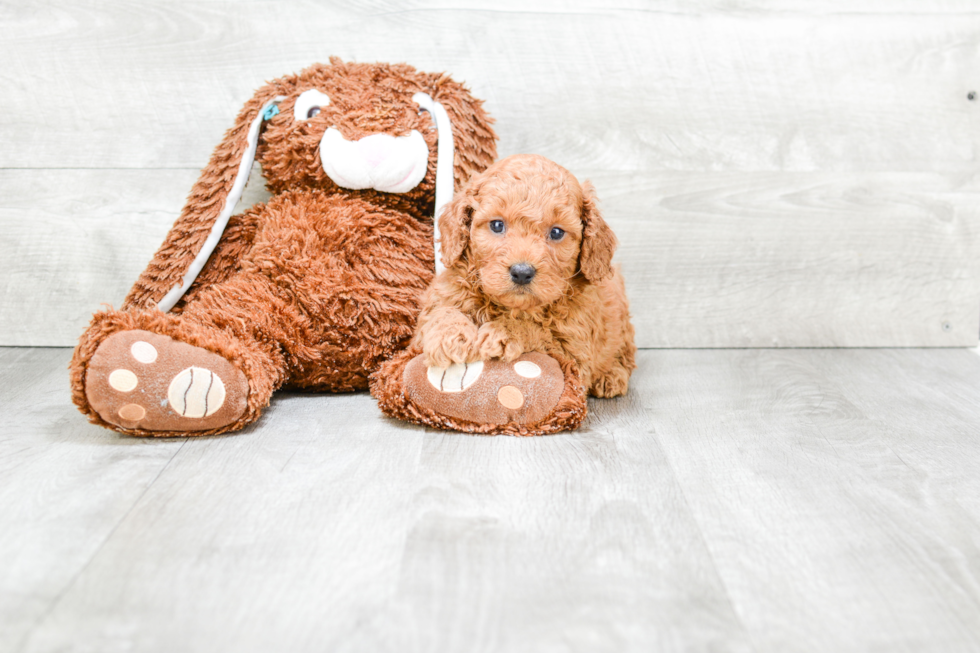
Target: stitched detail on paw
x,y
456,377
196,392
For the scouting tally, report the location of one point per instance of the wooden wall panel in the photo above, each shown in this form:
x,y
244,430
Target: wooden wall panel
x,y
781,174
74,240
727,87
711,259
798,259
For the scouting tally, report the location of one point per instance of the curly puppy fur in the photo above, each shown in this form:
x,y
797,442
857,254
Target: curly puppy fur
x,y
574,307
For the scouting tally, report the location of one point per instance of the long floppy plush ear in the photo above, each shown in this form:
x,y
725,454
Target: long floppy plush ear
x,y
598,240
172,269
475,140
454,227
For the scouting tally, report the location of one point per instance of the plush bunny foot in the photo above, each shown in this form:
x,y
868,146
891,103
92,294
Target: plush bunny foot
x,y
141,380
494,392
530,396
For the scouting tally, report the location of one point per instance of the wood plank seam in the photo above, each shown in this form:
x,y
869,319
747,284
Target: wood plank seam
x,y
81,570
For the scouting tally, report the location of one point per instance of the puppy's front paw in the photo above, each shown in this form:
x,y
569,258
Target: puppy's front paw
x,y
450,343
613,384
495,342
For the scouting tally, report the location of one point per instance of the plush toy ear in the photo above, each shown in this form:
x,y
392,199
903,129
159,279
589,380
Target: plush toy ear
x,y
476,142
454,227
598,240
176,263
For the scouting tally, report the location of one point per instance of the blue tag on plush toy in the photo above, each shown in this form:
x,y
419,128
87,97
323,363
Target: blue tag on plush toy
x,y
272,110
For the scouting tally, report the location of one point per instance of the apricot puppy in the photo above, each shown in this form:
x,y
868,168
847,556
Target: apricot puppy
x,y
528,269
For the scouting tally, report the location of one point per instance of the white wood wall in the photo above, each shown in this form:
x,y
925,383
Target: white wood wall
x,y
779,173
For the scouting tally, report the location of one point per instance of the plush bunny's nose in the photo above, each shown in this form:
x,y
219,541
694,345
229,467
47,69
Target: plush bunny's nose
x,y
522,273
390,164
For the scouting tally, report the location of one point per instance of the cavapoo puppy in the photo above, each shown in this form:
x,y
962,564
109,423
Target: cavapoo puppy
x,y
528,269
527,318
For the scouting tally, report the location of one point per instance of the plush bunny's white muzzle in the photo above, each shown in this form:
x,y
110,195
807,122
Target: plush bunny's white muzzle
x,y
390,164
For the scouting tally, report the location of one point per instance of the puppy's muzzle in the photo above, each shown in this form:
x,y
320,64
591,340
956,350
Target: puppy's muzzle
x,y
522,273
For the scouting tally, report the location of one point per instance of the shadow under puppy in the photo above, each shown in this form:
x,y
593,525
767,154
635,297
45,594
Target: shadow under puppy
x,y
528,317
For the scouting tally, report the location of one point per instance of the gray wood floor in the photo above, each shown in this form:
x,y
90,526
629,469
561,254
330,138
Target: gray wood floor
x,y
766,500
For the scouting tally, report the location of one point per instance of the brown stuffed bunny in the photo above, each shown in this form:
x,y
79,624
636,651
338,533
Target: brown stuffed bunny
x,y
315,288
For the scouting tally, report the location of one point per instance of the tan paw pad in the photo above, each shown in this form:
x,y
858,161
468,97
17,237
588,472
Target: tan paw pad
x,y
144,352
123,380
196,392
455,378
132,412
510,397
527,369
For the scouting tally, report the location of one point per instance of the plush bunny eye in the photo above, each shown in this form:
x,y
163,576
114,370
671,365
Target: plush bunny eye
x,y
309,104
497,226
556,233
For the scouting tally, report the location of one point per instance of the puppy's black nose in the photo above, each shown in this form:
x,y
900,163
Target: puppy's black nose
x,y
522,273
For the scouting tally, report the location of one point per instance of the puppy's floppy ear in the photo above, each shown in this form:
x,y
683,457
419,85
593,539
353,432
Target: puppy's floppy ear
x,y
454,226
598,240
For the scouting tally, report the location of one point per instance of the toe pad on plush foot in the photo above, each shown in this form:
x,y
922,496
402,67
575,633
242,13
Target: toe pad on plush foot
x,y
522,392
138,380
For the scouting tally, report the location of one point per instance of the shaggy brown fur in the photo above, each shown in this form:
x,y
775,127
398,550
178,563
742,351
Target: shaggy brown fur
x,y
320,285
575,307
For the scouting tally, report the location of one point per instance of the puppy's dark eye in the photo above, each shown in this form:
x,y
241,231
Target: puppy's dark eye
x,y
312,112
556,233
497,226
